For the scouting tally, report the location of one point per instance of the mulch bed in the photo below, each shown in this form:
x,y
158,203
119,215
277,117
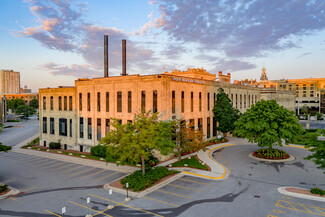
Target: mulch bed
x,y
5,192
302,191
117,183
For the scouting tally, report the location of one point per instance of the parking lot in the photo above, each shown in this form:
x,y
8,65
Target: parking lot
x,y
251,190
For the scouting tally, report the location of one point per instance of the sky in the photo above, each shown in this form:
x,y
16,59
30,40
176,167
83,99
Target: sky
x,y
54,42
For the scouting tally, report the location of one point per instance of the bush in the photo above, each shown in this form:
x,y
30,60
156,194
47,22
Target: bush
x,y
270,153
317,191
99,151
137,181
4,147
55,145
3,188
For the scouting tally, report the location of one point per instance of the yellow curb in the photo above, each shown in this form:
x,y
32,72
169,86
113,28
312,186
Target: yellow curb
x,y
224,169
297,146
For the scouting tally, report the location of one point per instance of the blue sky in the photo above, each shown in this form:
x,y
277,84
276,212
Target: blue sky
x,y
55,42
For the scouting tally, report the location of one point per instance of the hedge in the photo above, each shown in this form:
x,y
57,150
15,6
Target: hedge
x,y
55,145
137,181
4,147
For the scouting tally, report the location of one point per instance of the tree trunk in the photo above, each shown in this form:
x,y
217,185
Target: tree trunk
x,y
143,165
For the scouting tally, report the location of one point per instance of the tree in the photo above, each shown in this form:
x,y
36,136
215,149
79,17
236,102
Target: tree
x,y
266,123
134,142
317,148
14,103
25,110
304,109
33,103
187,138
224,113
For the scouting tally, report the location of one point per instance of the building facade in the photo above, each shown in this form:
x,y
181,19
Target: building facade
x,y
79,116
27,97
3,109
9,82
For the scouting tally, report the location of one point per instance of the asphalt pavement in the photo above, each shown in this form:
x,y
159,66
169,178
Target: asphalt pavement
x,y
19,131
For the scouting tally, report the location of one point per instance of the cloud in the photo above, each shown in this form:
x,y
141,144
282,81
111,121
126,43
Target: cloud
x,y
304,54
61,27
74,70
241,28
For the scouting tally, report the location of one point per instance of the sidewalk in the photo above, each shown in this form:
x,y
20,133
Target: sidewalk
x,y
218,170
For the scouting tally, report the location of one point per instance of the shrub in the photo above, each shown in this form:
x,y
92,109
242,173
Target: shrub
x,y
270,153
317,191
55,145
99,151
3,188
4,147
32,143
137,181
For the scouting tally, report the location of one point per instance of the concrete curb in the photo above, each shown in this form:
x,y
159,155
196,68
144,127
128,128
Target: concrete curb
x,y
282,190
25,142
291,158
147,191
77,160
13,191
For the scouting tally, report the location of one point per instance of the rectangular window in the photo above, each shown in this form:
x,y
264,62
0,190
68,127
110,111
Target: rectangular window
x,y
63,127
88,102
80,101
44,103
244,101
81,128
44,125
208,101
89,129
129,101
51,102
98,101
182,102
107,127
70,128
129,121
200,101
214,98
119,101
232,99
208,127
214,127
173,101
70,103
60,103
192,101
65,103
143,101
240,101
249,100
199,123
236,97
107,101
51,125
155,101
191,125
99,129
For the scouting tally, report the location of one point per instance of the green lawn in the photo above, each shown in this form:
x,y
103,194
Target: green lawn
x,y
192,162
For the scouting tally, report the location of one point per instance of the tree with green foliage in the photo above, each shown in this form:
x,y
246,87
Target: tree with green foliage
x,y
187,138
224,113
317,147
14,103
304,109
33,103
266,123
134,142
25,110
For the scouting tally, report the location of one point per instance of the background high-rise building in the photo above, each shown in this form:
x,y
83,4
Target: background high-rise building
x,y
9,82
